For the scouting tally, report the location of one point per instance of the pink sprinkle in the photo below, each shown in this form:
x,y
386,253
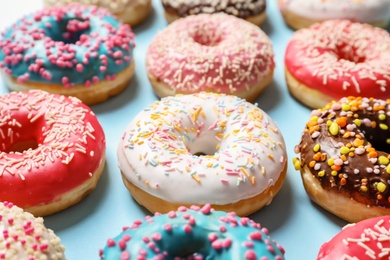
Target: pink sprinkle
x,y
122,244
172,214
187,228
244,221
250,255
212,237
43,247
222,228
182,209
145,239
227,243
156,236
10,221
110,242
249,244
217,244
256,235
125,255
79,67
167,227
206,209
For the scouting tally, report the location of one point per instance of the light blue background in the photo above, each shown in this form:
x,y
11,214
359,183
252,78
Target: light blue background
x,y
293,221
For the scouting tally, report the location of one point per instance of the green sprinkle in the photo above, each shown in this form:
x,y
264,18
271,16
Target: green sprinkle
x,y
316,148
334,128
344,150
383,160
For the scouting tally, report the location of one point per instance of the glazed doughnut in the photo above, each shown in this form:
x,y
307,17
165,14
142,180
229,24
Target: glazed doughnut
x,y
253,11
344,160
336,59
205,53
226,151
75,50
52,151
303,13
26,237
132,12
194,233
366,240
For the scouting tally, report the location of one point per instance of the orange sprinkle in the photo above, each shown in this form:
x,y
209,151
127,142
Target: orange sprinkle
x,y
317,156
347,134
312,123
351,154
358,142
343,157
377,108
323,157
343,181
379,197
336,167
341,121
311,164
373,154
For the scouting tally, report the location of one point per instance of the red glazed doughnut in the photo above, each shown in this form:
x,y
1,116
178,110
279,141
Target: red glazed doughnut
x,y
338,58
366,240
210,52
52,151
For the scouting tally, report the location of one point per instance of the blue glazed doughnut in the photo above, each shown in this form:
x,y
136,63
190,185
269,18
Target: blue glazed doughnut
x,y
196,233
72,50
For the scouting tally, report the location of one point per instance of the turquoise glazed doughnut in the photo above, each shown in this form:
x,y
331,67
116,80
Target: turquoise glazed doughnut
x,y
66,47
196,233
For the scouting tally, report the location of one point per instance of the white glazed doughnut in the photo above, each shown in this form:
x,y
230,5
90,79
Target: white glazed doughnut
x,y
203,148
303,13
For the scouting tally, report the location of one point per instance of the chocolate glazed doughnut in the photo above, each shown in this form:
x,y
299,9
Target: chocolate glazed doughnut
x,y
344,160
251,10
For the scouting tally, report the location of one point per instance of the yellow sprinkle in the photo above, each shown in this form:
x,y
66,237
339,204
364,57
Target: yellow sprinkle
x,y
382,117
253,180
209,165
381,187
357,122
334,128
345,107
388,169
314,118
140,142
388,141
297,163
321,173
328,123
245,172
334,173
195,178
330,161
383,160
147,183
363,188
383,126
344,150
316,148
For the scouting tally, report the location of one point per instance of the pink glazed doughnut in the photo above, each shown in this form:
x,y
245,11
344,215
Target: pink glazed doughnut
x,y
302,13
210,52
366,240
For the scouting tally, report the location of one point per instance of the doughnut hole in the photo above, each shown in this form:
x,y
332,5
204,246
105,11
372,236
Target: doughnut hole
x,y
206,35
23,145
204,145
68,31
